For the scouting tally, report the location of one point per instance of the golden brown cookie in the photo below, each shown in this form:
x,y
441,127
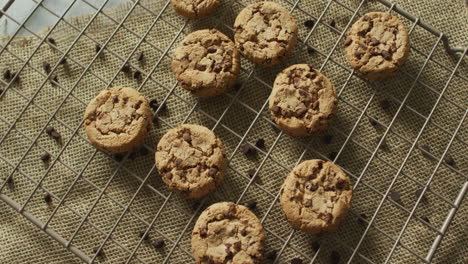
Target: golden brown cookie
x,y
316,196
191,160
303,101
265,33
194,8
228,233
206,63
377,45
117,119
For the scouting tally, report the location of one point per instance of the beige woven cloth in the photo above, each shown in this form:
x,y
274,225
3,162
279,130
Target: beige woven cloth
x,y
22,242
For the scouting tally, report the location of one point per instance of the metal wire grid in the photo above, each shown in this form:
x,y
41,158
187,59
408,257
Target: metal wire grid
x,y
259,114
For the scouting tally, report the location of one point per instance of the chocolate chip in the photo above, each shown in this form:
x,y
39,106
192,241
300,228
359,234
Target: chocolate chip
x,y
251,173
143,235
332,23
251,205
203,233
153,103
48,198
63,61
328,218
373,122
395,196
51,41
296,261
10,180
449,160
97,48
275,109
334,257
327,139
248,150
260,143
217,68
300,111
45,157
98,252
425,218
140,56
169,176
7,74
310,50
243,232
374,42
211,50
309,23
358,54
386,55
187,137
237,246
360,220
137,75
383,145
201,67
15,77
348,41
126,68
1,91
212,172
159,243
55,135
54,80
271,255
46,67
385,104
332,155
119,156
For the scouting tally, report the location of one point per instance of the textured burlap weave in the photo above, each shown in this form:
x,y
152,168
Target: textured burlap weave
x,y
22,242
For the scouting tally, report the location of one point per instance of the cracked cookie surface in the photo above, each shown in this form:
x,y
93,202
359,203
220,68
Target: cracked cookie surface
x,y
228,233
191,160
117,119
206,63
194,8
377,45
316,196
303,101
265,33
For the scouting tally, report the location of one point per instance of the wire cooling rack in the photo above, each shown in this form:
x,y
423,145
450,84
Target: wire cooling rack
x,y
354,242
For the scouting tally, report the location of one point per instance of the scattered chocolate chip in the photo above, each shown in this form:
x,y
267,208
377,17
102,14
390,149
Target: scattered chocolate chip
x,y
327,139
309,23
419,192
55,135
46,67
54,80
332,23
144,151
425,218
385,104
15,77
159,243
97,48
126,68
187,137
51,41
296,261
384,145
248,150
140,56
119,156
260,143
310,50
332,155
1,91
137,75
395,196
251,205
143,235
45,157
315,245
348,41
153,103
361,218
98,252
449,160
10,180
7,74
47,198
49,130
212,172
386,55
63,61
425,151
251,173
373,122
271,255
334,257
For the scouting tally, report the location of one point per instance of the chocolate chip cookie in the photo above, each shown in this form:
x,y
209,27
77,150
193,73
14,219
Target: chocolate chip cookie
x,y
228,233
265,33
316,196
117,119
206,63
194,8
303,101
191,160
377,45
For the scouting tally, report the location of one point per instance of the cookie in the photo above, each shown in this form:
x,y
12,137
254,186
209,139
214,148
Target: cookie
x,y
265,33
206,63
118,119
316,196
303,101
194,8
377,45
191,160
228,233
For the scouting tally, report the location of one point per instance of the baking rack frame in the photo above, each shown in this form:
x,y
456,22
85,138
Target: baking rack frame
x,y
44,226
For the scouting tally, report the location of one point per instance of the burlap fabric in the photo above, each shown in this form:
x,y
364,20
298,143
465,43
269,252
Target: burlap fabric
x,y
21,242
